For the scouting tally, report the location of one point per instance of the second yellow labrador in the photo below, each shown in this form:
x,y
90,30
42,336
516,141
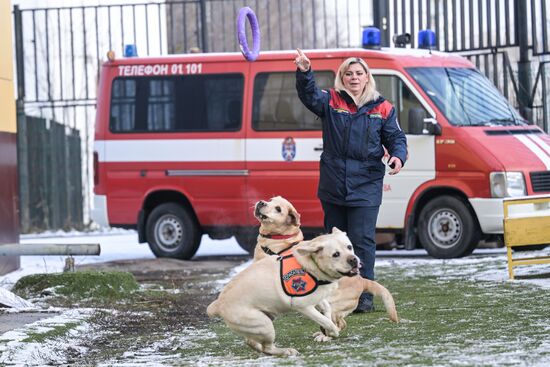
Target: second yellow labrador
x,y
280,229
254,297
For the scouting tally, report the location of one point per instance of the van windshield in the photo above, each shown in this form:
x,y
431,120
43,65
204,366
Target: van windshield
x,y
466,97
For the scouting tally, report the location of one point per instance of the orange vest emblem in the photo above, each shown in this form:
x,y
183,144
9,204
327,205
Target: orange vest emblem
x,y
295,280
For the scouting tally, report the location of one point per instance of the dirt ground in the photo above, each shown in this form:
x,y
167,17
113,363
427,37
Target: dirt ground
x,y
150,270
193,277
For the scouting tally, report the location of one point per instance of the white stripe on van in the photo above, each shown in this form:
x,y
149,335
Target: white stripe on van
x,y
535,149
270,150
185,150
205,150
541,143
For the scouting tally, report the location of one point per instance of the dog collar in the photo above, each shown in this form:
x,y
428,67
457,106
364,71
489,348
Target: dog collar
x,y
279,236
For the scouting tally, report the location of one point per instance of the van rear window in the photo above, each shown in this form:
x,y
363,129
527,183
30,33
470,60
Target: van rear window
x,y
190,103
276,105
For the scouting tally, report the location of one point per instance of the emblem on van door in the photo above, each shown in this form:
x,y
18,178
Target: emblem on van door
x,y
289,149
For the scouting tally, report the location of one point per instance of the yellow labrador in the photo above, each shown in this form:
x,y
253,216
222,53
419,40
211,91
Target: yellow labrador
x,y
280,229
279,226
251,300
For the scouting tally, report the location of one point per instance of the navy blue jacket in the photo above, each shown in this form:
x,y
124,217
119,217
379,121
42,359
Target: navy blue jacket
x,y
351,169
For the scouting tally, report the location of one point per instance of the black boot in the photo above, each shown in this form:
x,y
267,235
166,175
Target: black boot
x,y
365,303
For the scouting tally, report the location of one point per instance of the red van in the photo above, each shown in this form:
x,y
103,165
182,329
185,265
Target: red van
x,y
186,144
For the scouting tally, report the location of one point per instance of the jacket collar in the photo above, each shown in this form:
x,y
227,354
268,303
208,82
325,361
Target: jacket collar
x,y
369,105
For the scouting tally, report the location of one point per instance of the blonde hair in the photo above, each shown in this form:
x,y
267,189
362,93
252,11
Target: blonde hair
x,y
369,93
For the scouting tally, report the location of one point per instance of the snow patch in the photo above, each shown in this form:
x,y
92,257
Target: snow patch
x,y
11,300
13,351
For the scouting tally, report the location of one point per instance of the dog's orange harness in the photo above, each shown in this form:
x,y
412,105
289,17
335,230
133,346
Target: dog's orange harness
x,y
295,280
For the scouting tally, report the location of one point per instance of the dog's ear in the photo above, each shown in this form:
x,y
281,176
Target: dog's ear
x,y
309,249
336,230
293,217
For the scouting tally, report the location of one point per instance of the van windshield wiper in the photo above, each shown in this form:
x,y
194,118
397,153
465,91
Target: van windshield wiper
x,y
504,121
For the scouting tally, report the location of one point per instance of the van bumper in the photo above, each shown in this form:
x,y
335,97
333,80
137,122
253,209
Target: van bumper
x,y
99,211
490,214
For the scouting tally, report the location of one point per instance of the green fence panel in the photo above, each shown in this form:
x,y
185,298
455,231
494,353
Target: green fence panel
x,y
53,187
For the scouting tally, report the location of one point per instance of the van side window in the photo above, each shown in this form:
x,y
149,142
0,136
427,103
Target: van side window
x,y
276,105
394,90
177,103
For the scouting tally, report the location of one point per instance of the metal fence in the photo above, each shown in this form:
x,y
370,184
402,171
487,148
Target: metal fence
x,y
496,66
469,25
490,33
61,49
51,193
540,15
541,104
465,25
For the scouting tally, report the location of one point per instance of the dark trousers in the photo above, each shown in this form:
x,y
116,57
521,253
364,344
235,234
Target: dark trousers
x,y
360,225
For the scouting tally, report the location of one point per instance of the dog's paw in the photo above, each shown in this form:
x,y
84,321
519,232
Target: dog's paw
x,y
333,333
291,352
321,338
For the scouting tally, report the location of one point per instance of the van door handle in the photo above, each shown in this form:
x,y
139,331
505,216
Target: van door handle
x,y
318,148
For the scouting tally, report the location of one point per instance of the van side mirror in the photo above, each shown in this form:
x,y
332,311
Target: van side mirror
x,y
421,124
416,120
431,127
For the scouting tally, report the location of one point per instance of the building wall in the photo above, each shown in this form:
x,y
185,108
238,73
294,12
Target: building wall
x,y
9,205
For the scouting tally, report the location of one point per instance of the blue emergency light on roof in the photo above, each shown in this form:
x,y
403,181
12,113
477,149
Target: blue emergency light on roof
x,y
130,51
371,37
426,39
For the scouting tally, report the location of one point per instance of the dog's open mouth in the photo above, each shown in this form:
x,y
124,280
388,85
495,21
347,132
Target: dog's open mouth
x,y
353,272
259,215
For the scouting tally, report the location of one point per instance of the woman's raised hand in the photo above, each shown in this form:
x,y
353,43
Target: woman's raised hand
x,y
301,61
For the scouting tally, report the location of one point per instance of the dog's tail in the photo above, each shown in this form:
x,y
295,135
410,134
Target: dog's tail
x,y
212,309
379,290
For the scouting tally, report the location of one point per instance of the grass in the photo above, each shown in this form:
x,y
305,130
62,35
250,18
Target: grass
x,y
449,317
73,287
445,321
55,332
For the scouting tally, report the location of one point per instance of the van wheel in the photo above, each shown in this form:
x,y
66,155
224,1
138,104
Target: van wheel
x,y
247,239
447,229
172,232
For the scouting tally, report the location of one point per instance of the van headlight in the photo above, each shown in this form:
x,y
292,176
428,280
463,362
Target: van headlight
x,y
504,184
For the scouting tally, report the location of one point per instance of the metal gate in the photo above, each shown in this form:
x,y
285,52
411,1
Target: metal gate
x,y
59,50
496,35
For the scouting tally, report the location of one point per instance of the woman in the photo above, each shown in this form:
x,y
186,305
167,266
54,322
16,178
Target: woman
x,y
357,124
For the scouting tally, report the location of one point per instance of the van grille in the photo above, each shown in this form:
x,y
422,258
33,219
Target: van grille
x,y
540,181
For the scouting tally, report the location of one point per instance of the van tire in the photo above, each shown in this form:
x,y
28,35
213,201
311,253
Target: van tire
x,y
447,228
172,231
247,239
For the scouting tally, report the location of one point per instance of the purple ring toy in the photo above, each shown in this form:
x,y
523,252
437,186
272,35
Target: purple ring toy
x,y
244,13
